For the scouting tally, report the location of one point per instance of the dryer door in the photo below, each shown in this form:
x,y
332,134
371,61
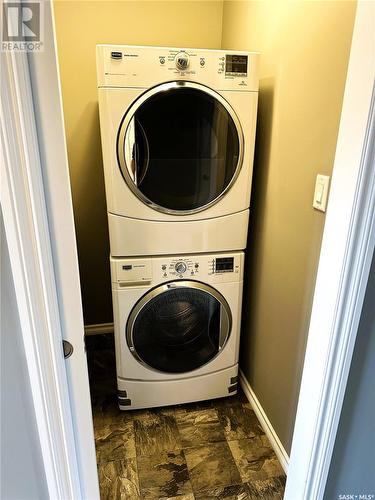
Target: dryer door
x,y
179,327
180,147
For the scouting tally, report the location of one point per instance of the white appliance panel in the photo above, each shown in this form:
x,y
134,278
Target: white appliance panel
x,y
146,394
141,66
220,234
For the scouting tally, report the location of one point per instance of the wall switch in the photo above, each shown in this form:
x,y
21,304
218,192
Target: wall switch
x,y
321,192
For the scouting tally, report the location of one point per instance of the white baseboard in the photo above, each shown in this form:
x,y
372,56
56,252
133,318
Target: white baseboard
x,y
99,329
265,423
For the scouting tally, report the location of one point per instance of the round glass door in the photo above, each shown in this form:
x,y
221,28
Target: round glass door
x,y
178,327
180,147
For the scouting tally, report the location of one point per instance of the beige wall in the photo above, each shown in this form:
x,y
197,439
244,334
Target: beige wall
x,y
304,49
80,26
304,55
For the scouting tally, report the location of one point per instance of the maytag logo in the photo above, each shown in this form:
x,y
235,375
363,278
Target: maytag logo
x,y
22,25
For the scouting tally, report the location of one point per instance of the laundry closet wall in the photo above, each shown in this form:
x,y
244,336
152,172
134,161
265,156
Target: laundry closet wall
x,y
80,25
304,57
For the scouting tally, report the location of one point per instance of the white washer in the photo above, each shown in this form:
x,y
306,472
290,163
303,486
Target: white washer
x,y
178,132
177,327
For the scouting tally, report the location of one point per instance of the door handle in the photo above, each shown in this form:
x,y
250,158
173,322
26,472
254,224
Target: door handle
x,y
135,155
223,327
67,349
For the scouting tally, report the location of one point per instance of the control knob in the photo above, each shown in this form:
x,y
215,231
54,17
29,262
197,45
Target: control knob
x,y
180,267
182,61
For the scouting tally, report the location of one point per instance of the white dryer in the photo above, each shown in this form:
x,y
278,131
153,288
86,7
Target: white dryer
x,y
177,327
178,131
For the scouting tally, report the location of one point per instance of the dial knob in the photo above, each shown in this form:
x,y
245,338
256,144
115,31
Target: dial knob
x,y
182,61
180,267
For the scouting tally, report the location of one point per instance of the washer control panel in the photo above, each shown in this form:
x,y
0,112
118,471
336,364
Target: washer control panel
x,y
151,271
221,267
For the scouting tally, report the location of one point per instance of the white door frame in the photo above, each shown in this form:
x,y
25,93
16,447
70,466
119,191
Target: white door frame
x,y
28,239
39,226
38,218
344,264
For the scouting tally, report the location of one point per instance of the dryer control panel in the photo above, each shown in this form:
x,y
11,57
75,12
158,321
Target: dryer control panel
x,y
137,66
210,268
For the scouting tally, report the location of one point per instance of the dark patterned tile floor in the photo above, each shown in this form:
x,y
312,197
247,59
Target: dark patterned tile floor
x,y
198,451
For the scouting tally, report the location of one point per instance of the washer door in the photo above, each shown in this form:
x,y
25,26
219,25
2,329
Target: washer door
x,y
180,147
179,327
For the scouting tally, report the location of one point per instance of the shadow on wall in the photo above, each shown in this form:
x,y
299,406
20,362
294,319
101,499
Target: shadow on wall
x,y
91,219
257,209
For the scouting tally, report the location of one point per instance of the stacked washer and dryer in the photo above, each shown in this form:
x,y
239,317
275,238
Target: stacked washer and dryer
x,y
178,132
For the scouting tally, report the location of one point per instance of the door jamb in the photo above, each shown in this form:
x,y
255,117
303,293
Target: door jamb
x,y
344,264
39,227
28,239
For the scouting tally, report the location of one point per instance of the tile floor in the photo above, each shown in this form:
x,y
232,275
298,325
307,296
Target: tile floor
x,y
207,450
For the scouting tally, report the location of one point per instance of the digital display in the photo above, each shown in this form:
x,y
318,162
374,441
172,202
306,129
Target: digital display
x,y
224,264
235,65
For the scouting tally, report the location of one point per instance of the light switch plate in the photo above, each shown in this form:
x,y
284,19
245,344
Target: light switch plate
x,y
321,192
